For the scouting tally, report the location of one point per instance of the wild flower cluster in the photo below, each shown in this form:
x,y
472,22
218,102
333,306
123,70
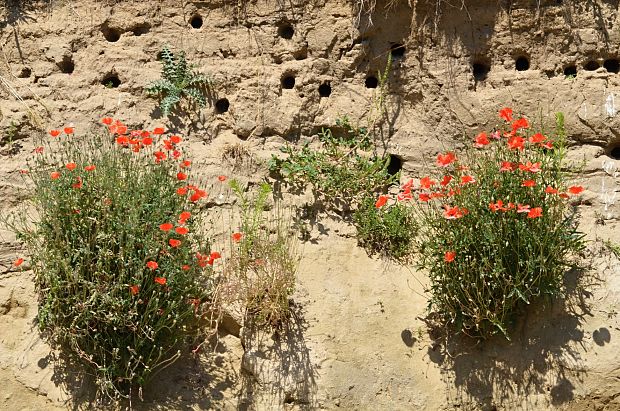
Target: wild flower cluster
x,y
122,266
496,228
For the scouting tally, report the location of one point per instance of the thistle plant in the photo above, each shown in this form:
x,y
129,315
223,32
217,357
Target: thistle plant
x,y
117,250
496,227
179,80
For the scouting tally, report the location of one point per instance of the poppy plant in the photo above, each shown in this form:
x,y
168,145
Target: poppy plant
x,y
506,114
381,201
467,180
426,182
575,190
181,176
90,167
449,256
446,180
537,138
481,140
68,130
444,160
174,242
54,133
38,150
158,130
184,216
160,280
71,166
551,190
18,262
54,175
166,227
175,139
529,183
134,289
535,212
222,178
507,166
107,120
236,237
152,265
516,143
181,230
182,191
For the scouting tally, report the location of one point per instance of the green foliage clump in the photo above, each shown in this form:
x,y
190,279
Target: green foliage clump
x,y
113,247
388,231
496,227
264,258
342,171
178,80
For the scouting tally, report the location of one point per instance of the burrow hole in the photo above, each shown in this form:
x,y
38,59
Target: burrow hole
x,y
371,82
141,29
522,63
480,70
111,34
614,151
25,72
570,71
612,65
287,81
397,50
325,90
591,65
222,106
286,31
395,165
66,65
196,21
111,81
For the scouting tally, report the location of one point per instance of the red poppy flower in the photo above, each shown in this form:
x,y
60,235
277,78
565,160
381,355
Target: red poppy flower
x,y
499,206
507,166
78,184
107,120
426,182
537,138
174,242
68,130
181,176
407,184
90,167
520,123
175,139
481,140
186,164
198,194
535,212
506,114
181,230
160,280
467,180
184,216
182,191
134,289
529,183
54,175
121,129
551,190
158,130
548,145
166,227
159,156
176,154
147,141
185,267
575,190
54,133
532,168
452,213
381,201
152,265
18,262
424,197
563,195
523,208
444,160
122,140
446,180
404,196
215,255
516,143
38,150
237,237
449,256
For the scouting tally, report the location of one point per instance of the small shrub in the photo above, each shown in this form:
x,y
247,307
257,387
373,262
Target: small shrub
x,y
342,171
113,249
179,80
496,230
388,231
263,260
